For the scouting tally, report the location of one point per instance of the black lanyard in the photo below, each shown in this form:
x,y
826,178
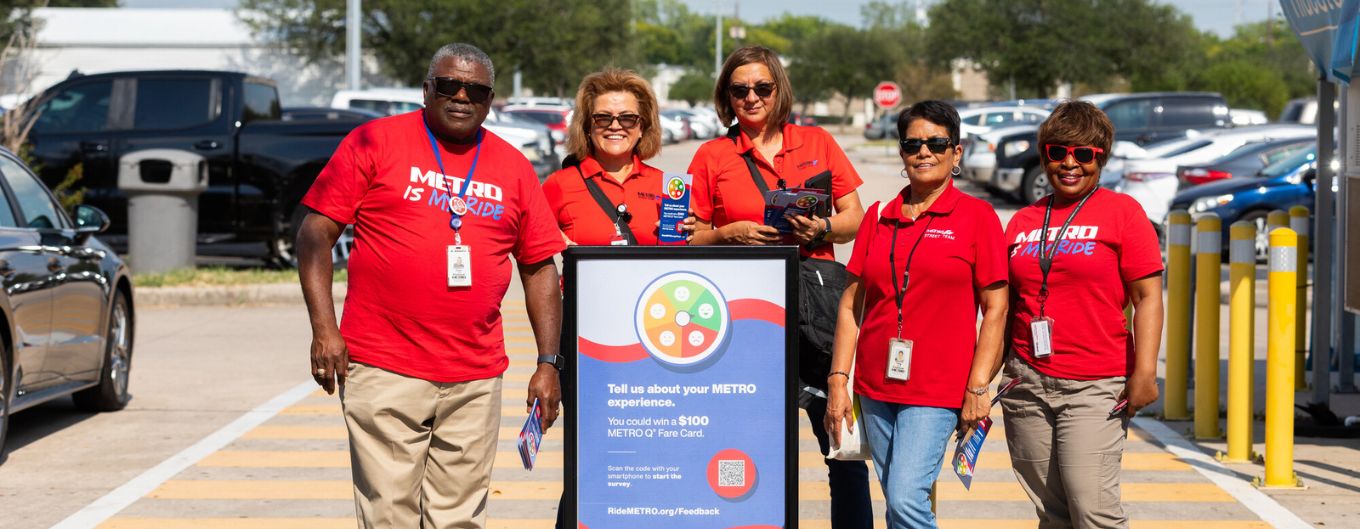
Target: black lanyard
x,y
901,293
1046,257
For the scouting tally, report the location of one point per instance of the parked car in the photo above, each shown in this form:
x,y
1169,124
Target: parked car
x,y
1139,119
709,116
555,118
1242,117
1302,110
673,130
979,152
1282,185
1247,160
884,127
1152,181
66,305
700,127
326,113
534,139
798,118
977,120
259,166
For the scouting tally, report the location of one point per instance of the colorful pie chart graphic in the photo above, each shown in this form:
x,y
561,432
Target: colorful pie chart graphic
x,y
682,318
675,188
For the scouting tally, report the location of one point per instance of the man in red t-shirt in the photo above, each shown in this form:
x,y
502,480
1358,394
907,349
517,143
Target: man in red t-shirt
x,y
439,205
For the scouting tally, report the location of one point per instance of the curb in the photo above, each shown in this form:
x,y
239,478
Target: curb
x,y
229,296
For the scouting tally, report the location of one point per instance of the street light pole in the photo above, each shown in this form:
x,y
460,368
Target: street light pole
x,y
352,27
717,45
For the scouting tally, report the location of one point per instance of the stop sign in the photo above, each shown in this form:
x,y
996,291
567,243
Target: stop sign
x,y
887,94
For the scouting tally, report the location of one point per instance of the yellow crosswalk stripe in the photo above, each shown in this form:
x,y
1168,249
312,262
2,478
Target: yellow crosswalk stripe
x,y
339,459
1149,461
338,433
493,523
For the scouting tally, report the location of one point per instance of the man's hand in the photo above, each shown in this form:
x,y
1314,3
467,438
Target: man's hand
x,y
975,408
1141,391
547,388
748,233
330,360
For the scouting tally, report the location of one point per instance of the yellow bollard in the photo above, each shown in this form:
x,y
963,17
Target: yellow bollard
x,y
1208,262
1177,316
1279,460
1298,221
1241,340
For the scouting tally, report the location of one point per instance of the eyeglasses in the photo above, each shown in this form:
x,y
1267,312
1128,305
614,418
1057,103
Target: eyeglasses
x,y
1082,154
449,87
740,91
937,144
603,121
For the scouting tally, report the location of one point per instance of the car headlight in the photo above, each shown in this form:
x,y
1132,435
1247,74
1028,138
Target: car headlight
x,y
1207,203
1015,148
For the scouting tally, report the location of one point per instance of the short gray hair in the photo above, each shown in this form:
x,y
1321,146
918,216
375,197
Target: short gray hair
x,y
463,51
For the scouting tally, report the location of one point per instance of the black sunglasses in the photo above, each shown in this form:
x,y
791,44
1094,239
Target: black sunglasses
x,y
740,91
1082,154
449,87
603,121
937,144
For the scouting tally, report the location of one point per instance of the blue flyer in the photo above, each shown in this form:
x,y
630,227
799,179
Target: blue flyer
x,y
530,437
675,195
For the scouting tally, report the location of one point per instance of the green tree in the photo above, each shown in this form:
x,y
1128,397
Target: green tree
x,y
693,88
840,59
553,42
1246,84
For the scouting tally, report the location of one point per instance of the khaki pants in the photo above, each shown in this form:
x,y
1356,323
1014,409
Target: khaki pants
x,y
1065,447
421,451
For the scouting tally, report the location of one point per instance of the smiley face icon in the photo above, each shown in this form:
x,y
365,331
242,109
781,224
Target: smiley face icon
x,y
706,311
667,338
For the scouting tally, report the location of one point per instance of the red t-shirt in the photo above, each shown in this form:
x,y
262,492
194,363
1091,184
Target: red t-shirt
x,y
400,314
961,251
725,193
580,216
1109,244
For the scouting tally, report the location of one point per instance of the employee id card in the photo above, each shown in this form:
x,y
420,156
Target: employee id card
x,y
899,359
460,266
1041,331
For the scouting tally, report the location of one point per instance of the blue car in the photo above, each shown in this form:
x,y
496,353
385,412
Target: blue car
x,y
1281,185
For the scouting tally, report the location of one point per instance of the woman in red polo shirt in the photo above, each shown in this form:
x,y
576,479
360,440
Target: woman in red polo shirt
x,y
764,151
924,264
610,196
1077,258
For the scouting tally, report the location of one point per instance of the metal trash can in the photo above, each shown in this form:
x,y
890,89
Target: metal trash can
x,y
162,186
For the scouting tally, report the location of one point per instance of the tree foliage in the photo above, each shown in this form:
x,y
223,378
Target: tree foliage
x,y
693,88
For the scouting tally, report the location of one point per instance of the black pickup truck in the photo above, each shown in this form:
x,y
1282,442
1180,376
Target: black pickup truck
x,y
259,165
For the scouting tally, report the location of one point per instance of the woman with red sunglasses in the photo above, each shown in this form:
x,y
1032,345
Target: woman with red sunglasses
x,y
1077,258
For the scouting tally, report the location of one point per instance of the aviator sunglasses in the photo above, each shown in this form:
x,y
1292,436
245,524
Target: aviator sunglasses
x,y
740,91
603,121
1082,154
937,144
449,87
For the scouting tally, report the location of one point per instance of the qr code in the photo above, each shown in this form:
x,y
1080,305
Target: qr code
x,y
731,473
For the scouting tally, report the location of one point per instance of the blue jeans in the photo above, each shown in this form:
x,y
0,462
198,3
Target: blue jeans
x,y
907,444
851,507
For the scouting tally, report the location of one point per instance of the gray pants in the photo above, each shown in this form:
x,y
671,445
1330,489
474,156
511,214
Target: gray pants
x,y
1065,447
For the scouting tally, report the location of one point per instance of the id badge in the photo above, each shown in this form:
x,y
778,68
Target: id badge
x,y
460,266
618,240
1041,330
899,359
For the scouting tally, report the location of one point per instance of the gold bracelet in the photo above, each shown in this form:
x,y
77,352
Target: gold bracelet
x,y
834,373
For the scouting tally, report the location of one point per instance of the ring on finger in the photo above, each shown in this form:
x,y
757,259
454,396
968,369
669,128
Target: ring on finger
x,y
320,372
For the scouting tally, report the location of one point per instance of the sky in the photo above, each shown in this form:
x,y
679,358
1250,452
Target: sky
x,y
1219,16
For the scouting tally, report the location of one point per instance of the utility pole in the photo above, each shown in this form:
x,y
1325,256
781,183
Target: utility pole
x,y
353,24
717,44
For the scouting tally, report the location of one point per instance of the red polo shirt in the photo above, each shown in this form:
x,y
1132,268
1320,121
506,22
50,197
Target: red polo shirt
x,y
725,193
961,251
1109,244
580,216
400,314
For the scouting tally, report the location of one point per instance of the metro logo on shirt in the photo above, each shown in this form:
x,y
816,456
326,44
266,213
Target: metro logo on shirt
x,y
483,199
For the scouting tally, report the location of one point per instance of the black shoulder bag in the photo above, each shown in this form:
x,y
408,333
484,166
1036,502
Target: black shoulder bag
x,y
611,210
820,285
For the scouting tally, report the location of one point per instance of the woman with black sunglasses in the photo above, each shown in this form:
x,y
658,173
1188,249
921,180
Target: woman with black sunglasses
x,y
1078,257
609,196
762,151
924,266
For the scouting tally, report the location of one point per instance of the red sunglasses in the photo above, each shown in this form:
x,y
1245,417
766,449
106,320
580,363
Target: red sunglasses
x,y
1082,154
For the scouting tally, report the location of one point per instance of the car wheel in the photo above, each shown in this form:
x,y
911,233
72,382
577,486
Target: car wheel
x,y
5,398
1034,185
283,246
1258,218
112,392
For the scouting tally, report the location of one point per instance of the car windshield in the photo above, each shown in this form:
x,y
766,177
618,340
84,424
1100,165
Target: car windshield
x,y
1289,164
1193,145
546,118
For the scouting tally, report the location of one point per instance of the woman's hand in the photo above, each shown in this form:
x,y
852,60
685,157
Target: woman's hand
x,y
748,233
975,408
687,226
838,408
1141,391
806,228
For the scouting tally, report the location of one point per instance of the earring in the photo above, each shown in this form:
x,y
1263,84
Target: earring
x,y
903,173
955,171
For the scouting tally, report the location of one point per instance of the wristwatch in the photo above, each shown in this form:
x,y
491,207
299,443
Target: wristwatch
x,y
557,361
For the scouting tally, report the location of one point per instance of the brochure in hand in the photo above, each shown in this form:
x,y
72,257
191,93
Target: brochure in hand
x,y
675,195
967,451
530,436
781,203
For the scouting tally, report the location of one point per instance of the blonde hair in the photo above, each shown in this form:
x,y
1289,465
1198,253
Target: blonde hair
x,y
783,102
614,80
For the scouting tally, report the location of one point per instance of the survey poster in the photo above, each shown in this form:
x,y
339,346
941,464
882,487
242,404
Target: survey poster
x,y
681,394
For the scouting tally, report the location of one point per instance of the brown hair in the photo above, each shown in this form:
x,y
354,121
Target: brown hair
x,y
783,93
1078,123
614,80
